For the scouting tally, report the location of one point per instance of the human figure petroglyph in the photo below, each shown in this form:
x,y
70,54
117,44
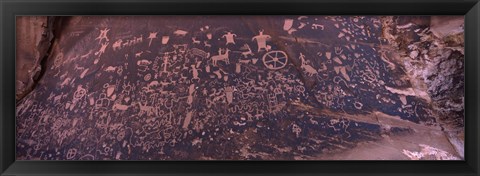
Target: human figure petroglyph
x,y
102,49
165,62
103,35
262,41
229,37
221,56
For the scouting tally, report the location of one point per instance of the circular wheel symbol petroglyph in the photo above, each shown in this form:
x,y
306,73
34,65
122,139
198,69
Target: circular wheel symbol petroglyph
x,y
275,60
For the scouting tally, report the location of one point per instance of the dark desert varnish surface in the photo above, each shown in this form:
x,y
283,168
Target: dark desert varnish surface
x,y
229,88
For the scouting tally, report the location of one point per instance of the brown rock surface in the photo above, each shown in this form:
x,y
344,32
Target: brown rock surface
x,y
243,88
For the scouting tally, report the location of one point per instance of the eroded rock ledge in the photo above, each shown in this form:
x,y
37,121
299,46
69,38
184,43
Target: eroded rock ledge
x,y
431,52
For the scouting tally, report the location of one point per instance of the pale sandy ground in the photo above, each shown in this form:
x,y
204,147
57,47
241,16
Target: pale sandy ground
x,y
392,147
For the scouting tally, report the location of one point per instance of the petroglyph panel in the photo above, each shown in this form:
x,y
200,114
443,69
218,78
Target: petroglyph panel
x,y
224,88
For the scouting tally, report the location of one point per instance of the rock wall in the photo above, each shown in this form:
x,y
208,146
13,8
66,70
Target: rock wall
x,y
239,88
432,53
33,40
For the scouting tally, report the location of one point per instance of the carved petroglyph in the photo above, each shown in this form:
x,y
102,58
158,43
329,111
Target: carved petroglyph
x,y
103,35
195,72
100,51
275,60
308,69
198,92
229,37
180,32
248,51
262,41
318,26
222,56
200,53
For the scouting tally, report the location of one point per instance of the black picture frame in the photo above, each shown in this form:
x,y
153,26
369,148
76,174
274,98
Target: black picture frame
x,y
9,9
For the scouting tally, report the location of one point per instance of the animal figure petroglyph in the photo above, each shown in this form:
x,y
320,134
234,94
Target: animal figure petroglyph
x,y
117,44
221,57
245,54
309,69
149,110
138,54
110,69
144,62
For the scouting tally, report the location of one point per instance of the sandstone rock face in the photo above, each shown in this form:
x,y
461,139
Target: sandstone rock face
x,y
439,69
34,34
246,88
